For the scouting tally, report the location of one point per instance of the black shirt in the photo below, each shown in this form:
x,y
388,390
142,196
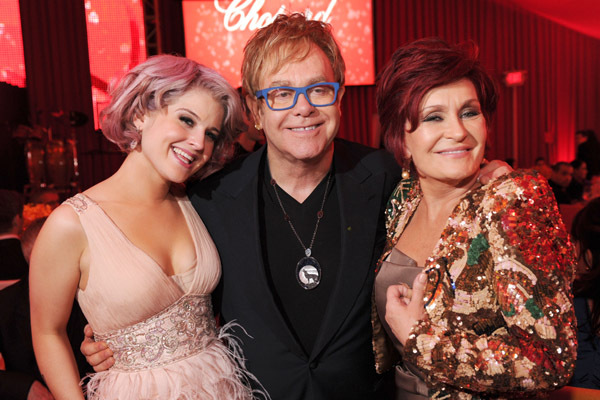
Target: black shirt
x,y
240,151
560,193
302,309
12,261
575,190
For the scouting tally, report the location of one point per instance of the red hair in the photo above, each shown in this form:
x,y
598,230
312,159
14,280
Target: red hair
x,y
413,71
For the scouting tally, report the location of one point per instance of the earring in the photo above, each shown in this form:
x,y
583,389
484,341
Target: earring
x,y
406,183
133,144
406,169
258,126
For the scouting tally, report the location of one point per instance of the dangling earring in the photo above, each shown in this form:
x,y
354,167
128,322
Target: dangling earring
x,y
406,182
406,169
133,144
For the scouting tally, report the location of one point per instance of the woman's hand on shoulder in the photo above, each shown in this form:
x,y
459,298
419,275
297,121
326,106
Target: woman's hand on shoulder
x,y
492,170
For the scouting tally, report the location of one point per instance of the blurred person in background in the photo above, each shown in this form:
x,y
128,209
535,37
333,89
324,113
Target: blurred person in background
x,y
252,138
541,166
579,183
562,174
586,235
594,187
588,150
12,262
22,379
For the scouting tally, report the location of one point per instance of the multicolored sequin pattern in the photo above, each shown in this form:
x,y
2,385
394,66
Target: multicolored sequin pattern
x,y
499,316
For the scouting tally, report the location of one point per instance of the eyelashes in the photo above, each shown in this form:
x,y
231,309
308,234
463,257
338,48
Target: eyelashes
x,y
188,121
210,134
430,118
471,113
465,114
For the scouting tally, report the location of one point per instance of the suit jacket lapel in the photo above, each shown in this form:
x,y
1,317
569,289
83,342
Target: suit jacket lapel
x,y
242,187
359,194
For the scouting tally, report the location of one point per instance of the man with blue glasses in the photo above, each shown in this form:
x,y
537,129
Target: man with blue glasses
x,y
299,224
280,98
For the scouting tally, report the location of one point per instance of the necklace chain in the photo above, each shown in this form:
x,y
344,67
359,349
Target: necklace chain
x,y
286,216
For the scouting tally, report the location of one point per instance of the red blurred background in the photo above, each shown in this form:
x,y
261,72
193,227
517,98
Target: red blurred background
x,y
58,63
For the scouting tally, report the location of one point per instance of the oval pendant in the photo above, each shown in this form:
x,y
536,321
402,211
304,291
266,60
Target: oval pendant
x,y
308,273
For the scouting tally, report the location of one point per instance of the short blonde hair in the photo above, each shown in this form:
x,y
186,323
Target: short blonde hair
x,y
288,38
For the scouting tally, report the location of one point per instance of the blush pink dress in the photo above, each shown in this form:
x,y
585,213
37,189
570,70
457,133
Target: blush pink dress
x,y
161,329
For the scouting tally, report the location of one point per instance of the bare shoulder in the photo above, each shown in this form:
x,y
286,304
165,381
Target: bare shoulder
x,y
64,218
63,228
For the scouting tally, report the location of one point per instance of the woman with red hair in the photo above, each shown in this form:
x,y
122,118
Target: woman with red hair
x,y
483,308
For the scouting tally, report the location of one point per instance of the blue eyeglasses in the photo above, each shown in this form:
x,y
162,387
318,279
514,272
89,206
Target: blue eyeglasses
x,y
281,98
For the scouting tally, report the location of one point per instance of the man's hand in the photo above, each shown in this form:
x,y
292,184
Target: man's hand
x,y
491,170
405,307
37,391
97,354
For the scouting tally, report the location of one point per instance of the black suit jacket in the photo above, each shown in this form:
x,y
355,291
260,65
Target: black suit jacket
x,y
12,262
341,364
16,346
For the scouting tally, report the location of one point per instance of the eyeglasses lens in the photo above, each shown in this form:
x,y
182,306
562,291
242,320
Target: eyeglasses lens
x,y
319,95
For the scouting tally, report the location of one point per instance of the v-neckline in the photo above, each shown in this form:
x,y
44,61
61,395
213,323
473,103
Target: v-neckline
x,y
139,249
437,249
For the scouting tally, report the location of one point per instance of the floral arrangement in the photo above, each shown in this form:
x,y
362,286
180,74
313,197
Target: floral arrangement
x,y
32,211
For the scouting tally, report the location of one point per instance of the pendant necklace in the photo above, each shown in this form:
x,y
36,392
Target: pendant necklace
x,y
308,269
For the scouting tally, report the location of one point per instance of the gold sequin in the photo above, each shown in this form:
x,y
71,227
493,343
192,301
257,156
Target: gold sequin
x,y
508,325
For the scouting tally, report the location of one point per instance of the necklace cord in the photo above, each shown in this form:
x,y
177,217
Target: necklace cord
x,y
320,215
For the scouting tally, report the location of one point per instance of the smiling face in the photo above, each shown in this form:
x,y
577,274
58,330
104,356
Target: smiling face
x,y
449,143
303,133
179,139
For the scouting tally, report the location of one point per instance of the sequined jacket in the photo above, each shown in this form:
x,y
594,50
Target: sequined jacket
x,y
499,317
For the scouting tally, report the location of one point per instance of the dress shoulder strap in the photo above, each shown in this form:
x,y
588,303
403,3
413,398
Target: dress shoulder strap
x,y
79,202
